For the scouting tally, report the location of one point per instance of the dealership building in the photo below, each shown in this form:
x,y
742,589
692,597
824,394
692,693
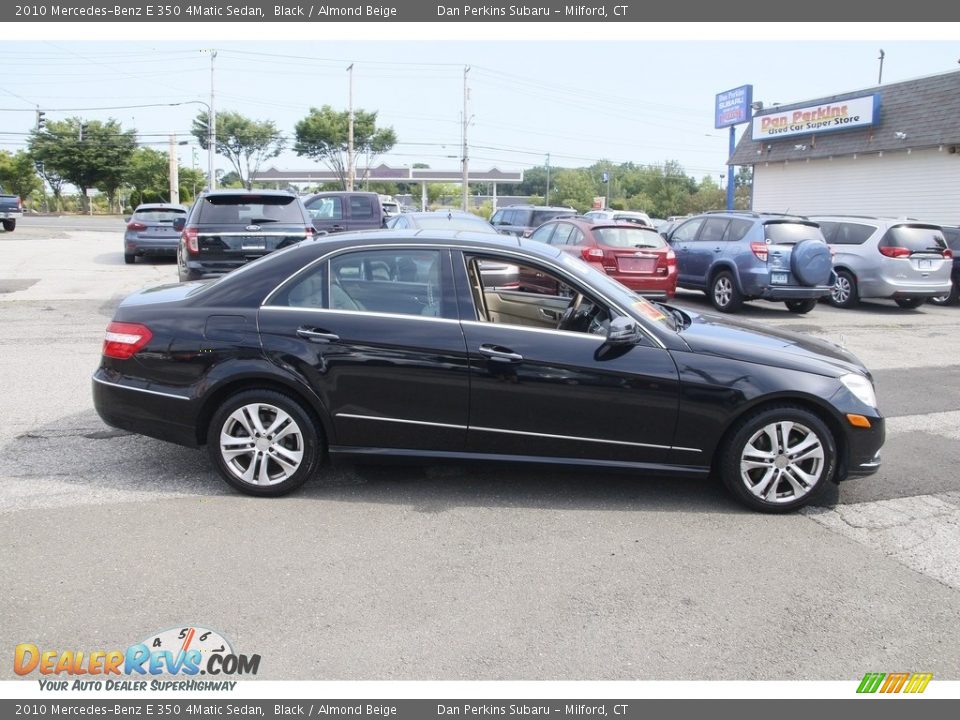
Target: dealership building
x,y
891,150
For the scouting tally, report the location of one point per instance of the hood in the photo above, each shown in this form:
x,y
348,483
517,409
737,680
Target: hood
x,y
756,343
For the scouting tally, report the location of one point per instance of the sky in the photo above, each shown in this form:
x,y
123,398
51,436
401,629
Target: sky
x,y
580,100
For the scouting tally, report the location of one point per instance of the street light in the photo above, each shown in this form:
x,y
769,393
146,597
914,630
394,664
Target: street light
x,y
211,138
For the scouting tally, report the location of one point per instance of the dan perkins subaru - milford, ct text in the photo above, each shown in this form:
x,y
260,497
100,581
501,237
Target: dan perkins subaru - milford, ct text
x,y
529,11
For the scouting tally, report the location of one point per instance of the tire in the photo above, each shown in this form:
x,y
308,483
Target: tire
x,y
949,299
9,225
844,293
909,303
772,481
129,258
801,307
263,465
724,294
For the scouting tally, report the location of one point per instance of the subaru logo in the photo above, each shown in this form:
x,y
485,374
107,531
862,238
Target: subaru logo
x,y
253,227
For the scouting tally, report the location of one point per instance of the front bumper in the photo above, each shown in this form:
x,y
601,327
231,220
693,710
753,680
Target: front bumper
x,y
863,450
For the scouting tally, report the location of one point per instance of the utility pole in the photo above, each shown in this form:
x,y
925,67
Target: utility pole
x,y
211,128
546,198
174,171
350,170
466,123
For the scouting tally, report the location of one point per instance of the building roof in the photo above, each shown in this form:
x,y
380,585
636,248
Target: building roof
x,y
925,110
386,173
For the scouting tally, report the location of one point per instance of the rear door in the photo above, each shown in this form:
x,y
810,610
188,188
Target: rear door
x,y
682,239
920,250
781,237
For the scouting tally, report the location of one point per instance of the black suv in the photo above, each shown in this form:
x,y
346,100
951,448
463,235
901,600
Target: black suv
x,y
228,228
521,220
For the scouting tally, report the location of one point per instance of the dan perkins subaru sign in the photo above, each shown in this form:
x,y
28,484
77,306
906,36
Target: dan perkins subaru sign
x,y
838,115
733,106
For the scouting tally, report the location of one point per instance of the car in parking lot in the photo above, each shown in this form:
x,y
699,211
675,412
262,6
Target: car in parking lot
x,y
11,210
342,211
952,235
312,354
892,258
150,231
226,229
521,220
634,255
739,256
620,216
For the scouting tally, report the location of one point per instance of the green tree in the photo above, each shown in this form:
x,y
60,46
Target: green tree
x,y
323,136
18,174
575,188
148,173
708,196
85,153
246,143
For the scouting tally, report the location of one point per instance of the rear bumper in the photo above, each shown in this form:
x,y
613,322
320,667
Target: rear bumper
x,y
10,214
198,270
660,288
886,288
160,413
793,292
151,246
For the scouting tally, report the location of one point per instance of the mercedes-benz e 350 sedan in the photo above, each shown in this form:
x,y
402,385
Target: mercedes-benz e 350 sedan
x,y
389,345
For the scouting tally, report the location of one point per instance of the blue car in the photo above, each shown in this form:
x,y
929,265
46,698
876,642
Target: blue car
x,y
738,256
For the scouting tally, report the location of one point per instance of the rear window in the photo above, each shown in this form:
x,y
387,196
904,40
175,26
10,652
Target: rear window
x,y
628,237
916,238
249,209
790,233
539,217
158,214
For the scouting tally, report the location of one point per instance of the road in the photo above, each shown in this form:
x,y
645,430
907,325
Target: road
x,y
464,572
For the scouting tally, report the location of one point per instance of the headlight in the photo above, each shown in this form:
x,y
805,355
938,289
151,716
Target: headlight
x,y
861,388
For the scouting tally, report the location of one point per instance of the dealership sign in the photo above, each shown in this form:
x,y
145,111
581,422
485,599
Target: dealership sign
x,y
841,115
733,106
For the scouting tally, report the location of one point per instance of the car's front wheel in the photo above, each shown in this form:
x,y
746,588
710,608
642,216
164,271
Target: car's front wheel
x,y
263,443
844,292
724,293
779,459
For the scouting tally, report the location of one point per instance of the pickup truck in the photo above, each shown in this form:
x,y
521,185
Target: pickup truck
x,y
11,209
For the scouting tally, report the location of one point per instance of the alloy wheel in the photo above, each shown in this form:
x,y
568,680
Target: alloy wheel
x,y
782,462
260,444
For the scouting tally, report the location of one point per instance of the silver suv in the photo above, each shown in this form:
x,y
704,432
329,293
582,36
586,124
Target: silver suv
x,y
902,260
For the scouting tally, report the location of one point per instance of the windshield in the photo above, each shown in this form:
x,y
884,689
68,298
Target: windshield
x,y
916,238
249,209
158,215
628,237
790,233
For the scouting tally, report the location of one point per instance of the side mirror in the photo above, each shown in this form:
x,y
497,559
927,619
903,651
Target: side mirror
x,y
623,331
527,233
179,224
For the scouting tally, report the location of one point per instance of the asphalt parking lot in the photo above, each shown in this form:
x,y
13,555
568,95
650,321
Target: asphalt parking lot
x,y
456,572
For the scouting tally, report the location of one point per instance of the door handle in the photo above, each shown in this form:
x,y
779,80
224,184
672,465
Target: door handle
x,y
338,228
717,248
317,335
548,314
500,354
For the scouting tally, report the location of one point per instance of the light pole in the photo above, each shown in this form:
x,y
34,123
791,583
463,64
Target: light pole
x,y
211,134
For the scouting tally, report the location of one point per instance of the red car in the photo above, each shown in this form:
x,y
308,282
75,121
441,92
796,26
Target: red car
x,y
636,256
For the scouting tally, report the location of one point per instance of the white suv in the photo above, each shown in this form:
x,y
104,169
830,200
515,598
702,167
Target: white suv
x,y
902,260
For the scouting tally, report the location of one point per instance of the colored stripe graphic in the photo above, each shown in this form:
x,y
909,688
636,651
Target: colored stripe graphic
x,y
870,682
918,682
894,682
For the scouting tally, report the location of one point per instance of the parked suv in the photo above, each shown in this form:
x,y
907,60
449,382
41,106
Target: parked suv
x,y
340,211
228,228
521,220
738,256
151,231
634,255
952,236
902,260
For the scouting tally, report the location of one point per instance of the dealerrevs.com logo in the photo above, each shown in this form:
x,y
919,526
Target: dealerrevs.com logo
x,y
186,651
901,682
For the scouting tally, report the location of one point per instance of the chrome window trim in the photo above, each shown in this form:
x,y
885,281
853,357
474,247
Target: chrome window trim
x,y
515,432
600,339
136,389
338,311
253,233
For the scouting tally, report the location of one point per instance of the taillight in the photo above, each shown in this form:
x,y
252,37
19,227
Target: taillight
x,y
19,203
948,254
665,261
760,250
124,340
136,226
191,240
592,254
895,252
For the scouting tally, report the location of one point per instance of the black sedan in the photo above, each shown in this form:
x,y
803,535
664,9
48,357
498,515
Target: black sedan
x,y
388,345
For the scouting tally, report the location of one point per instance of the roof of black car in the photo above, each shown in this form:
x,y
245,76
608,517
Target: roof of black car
x,y
244,191
464,238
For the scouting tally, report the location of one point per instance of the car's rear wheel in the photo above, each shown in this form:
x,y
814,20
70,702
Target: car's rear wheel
x,y
779,459
129,258
801,306
948,299
263,443
724,293
909,302
9,225
844,292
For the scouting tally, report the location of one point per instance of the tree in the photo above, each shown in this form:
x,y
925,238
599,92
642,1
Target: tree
x,y
574,188
323,136
148,173
85,153
246,143
18,175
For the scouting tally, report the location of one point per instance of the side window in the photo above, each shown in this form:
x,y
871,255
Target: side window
x,y
687,231
399,223
309,290
576,237
400,281
542,234
852,234
326,208
508,217
561,234
361,207
737,230
713,230
829,230
497,218
953,239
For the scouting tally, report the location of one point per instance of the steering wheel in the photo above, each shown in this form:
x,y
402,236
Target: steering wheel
x,y
568,319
